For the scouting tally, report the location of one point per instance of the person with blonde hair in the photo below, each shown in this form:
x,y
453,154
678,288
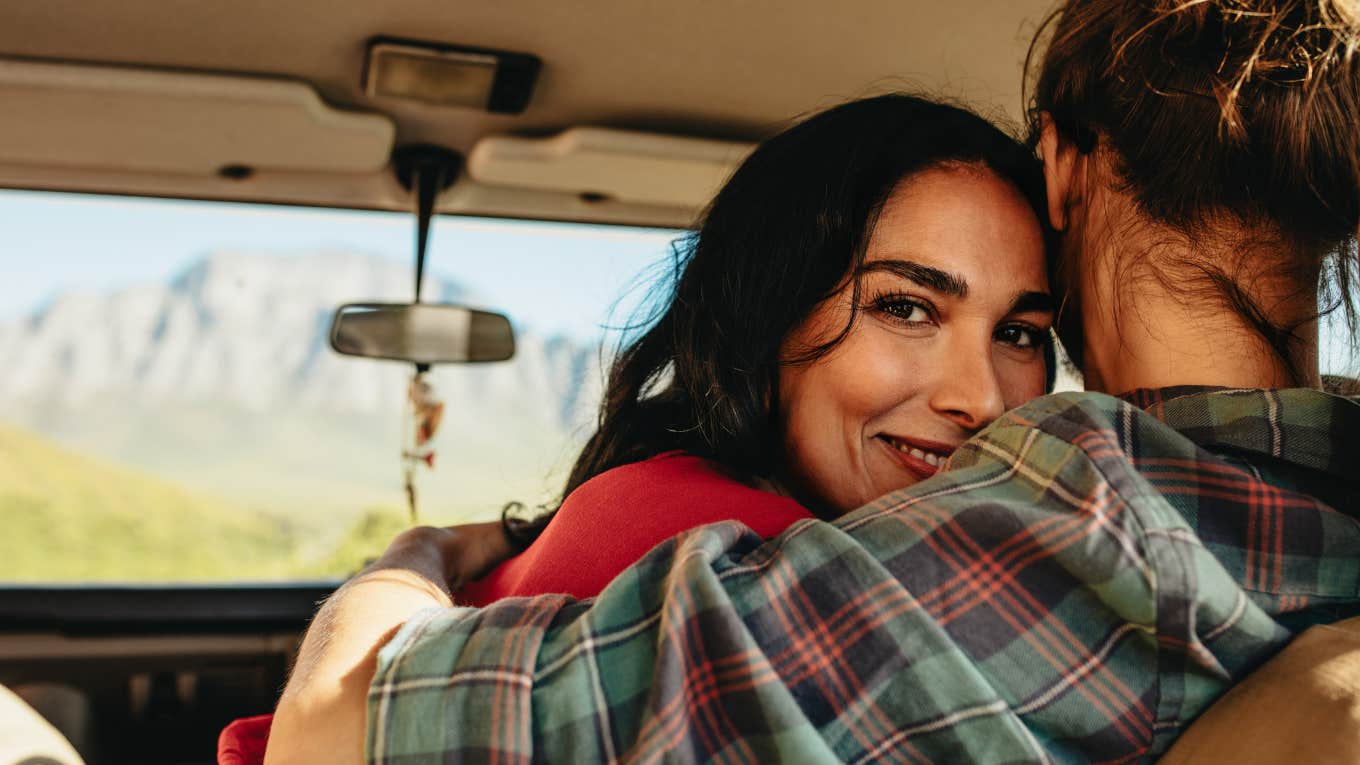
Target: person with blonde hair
x,y
1083,578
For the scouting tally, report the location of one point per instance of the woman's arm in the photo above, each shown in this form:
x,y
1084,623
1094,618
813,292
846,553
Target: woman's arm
x,y
320,717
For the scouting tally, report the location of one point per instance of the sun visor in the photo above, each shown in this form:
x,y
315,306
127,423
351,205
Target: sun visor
x,y
174,122
619,165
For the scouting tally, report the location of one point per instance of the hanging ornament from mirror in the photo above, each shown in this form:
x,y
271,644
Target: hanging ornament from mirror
x,y
424,413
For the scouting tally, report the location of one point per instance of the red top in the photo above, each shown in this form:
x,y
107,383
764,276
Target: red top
x,y
613,519
602,528
242,742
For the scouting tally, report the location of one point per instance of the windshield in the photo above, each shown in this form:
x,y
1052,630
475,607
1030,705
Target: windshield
x,y
171,411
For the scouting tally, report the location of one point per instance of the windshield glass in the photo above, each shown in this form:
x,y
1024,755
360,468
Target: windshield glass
x,y
171,411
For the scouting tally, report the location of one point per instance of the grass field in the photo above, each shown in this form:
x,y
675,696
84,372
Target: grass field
x,y
72,518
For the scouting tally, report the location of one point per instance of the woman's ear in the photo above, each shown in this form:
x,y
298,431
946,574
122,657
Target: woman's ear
x,y
1060,156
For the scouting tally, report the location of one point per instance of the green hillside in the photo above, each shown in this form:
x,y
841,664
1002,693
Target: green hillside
x,y
311,468
68,517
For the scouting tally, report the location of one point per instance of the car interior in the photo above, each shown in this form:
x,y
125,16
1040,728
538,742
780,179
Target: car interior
x,y
619,116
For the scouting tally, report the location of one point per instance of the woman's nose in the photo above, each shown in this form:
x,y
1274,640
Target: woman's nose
x,y
967,391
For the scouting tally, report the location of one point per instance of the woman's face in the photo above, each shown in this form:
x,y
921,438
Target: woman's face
x,y
954,311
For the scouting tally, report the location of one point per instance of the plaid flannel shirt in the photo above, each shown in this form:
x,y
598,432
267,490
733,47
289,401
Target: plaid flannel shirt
x,y
1087,575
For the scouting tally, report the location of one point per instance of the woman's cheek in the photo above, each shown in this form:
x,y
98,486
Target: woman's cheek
x,y
890,369
1021,381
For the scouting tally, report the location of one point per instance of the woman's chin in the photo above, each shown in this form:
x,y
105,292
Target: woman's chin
x,y
908,479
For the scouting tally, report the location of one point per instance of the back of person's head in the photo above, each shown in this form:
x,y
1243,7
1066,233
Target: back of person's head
x,y
1214,112
786,232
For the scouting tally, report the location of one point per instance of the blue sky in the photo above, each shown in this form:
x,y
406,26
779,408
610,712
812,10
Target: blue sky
x,y
549,276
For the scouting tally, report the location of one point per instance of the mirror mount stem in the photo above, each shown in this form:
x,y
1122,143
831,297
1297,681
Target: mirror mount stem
x,y
427,170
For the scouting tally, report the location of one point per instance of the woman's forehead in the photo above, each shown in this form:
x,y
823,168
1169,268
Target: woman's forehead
x,y
965,222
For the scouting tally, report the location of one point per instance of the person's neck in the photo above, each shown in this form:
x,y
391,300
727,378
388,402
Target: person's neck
x,y
1183,347
1146,333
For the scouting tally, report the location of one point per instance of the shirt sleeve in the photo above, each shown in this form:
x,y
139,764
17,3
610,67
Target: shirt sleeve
x,y
1038,601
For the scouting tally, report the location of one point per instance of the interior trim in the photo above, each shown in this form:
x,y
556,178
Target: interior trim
x,y
143,120
161,609
628,166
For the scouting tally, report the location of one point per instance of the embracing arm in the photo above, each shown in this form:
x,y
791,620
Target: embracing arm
x,y
320,717
1028,600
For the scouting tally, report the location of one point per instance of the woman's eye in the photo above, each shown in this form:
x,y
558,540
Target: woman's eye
x,y
1020,337
907,311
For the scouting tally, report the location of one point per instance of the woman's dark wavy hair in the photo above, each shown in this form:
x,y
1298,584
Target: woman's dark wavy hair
x,y
785,233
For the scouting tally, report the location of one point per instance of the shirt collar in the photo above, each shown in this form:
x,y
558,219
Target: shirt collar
x,y
1309,428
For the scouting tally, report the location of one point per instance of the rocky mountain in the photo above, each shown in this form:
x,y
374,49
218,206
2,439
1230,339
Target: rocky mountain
x,y
251,329
223,378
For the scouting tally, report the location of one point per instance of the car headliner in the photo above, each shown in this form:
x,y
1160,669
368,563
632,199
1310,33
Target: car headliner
x,y
736,70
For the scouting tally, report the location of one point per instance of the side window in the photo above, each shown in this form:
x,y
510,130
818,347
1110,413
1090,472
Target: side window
x,y
1338,353
170,409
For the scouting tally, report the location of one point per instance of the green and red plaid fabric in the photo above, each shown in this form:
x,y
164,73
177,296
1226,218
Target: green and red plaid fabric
x,y
1084,579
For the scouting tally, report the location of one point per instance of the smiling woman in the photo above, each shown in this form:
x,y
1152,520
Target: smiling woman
x,y
867,291
954,313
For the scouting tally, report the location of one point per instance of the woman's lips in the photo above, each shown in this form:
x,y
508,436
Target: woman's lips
x,y
922,458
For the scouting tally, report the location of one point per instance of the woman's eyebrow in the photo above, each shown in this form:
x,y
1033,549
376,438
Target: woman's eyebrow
x,y
926,276
1029,301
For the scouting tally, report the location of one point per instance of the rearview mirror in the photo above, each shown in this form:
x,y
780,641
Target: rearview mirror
x,y
422,333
